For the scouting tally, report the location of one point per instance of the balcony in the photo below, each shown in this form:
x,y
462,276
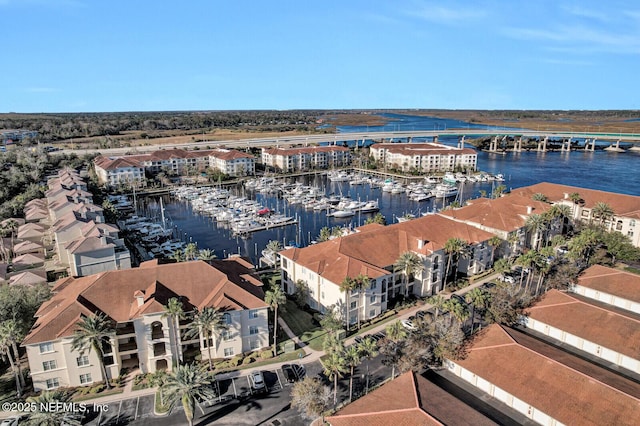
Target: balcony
x,y
128,346
127,329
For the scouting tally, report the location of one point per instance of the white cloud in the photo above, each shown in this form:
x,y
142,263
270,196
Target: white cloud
x,y
590,14
450,14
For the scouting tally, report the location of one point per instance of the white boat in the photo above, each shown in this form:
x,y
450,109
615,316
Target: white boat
x,y
338,176
370,207
342,213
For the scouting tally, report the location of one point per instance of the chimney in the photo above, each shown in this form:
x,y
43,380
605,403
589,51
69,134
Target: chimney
x,y
420,244
139,295
529,209
566,195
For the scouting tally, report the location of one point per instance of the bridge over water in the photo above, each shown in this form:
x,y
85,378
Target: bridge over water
x,y
498,138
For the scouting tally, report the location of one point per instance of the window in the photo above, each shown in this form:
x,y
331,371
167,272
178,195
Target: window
x,y
53,383
253,329
372,299
82,360
632,222
354,304
253,313
226,335
254,344
46,347
85,378
228,352
630,234
383,298
374,284
49,365
284,262
322,294
227,319
372,313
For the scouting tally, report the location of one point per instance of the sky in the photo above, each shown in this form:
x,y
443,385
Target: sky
x,y
142,55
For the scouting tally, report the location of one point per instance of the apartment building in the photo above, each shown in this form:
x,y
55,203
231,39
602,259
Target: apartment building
x,y
424,157
134,301
611,286
306,158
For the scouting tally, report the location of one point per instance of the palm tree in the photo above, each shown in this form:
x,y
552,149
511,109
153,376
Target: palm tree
x,y
334,366
12,334
5,349
368,349
451,247
92,333
209,323
458,311
478,299
528,261
409,263
158,379
539,197
362,283
576,198
438,302
191,251
178,255
206,255
395,334
58,417
352,357
174,311
187,384
537,224
602,211
275,298
347,286
494,242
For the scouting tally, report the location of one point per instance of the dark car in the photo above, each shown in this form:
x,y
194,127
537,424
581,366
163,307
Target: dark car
x,y
289,373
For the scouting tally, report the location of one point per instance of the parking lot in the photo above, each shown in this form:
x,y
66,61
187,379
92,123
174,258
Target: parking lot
x,y
235,390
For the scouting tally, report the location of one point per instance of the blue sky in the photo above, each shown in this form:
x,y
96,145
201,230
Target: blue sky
x,y
140,55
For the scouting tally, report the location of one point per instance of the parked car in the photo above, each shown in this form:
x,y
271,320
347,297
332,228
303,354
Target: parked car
x,y
408,325
257,380
507,279
289,374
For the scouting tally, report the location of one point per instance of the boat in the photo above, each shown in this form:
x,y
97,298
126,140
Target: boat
x,y
369,207
342,213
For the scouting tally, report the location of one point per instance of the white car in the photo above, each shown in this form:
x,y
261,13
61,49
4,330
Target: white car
x,y
257,380
508,279
408,325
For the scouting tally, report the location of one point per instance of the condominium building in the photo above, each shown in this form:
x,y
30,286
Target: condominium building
x,y
134,301
306,158
424,157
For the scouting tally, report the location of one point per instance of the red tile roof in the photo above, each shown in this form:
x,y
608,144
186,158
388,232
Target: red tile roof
x,y
612,281
231,287
427,148
304,150
559,391
622,205
592,323
407,400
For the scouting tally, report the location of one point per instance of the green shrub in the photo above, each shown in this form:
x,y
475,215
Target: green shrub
x,y
96,389
266,354
235,361
247,360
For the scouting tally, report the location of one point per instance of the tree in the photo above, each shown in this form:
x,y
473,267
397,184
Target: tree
x,y
361,283
209,322
528,261
368,349
11,334
498,191
206,255
539,197
458,311
409,263
301,294
187,384
311,397
583,244
178,255
334,366
455,248
478,299
352,358
93,332
603,212
157,379
191,251
392,345
348,285
494,242
58,417
446,339
330,321
505,306
620,247
5,349
537,224
174,311
325,234
438,302
275,298
577,199
377,218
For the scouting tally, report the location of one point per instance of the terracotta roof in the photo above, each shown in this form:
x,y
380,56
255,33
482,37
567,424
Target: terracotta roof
x,y
87,244
27,260
407,400
507,213
26,246
28,278
559,391
360,252
30,230
229,154
115,163
592,323
112,293
304,150
622,205
612,281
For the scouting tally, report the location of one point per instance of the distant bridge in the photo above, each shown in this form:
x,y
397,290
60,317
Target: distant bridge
x,y
498,137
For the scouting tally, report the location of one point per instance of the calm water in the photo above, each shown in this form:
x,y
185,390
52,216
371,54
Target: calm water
x,y
615,172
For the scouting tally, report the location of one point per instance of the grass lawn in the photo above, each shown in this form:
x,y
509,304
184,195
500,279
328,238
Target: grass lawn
x,y
302,325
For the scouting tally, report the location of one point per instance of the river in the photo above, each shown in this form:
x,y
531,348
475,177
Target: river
x,y
614,172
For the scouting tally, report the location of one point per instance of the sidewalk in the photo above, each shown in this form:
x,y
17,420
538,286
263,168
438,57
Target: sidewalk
x,y
412,311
